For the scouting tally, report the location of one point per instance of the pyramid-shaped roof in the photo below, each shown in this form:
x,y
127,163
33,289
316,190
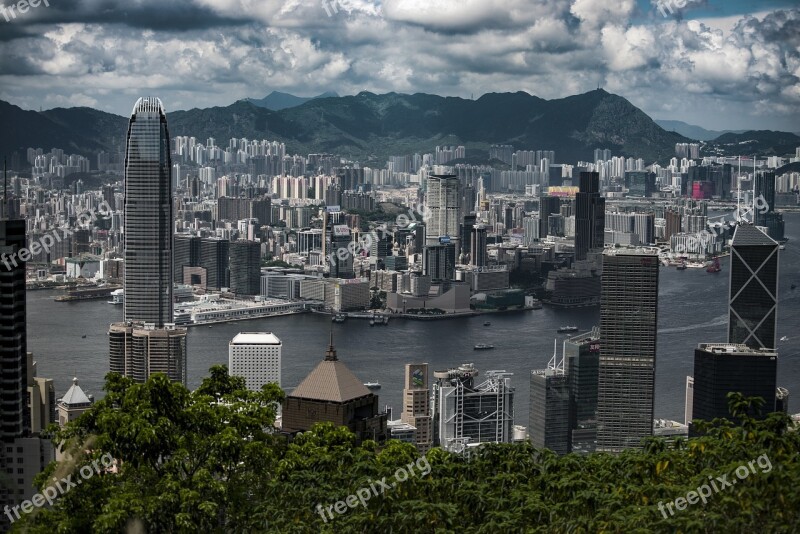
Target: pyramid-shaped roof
x,y
749,235
331,381
75,395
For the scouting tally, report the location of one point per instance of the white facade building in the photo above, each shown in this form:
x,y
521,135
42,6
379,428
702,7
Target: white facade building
x,y
256,356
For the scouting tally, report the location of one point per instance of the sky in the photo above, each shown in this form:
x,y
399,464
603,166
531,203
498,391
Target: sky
x,y
720,64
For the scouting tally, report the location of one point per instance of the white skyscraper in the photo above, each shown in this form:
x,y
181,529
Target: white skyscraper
x,y
256,356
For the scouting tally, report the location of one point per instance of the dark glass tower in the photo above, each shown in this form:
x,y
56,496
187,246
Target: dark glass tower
x,y
628,325
14,413
590,215
245,267
753,294
721,368
764,193
148,212
582,354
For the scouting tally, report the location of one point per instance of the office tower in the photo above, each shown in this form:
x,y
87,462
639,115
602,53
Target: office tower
x,y
469,412
332,393
582,355
721,368
644,225
628,324
256,356
477,246
14,415
336,238
753,293
765,215
590,210
138,350
439,261
245,267
417,405
688,401
148,213
186,253
215,260
547,206
442,202
549,416
468,222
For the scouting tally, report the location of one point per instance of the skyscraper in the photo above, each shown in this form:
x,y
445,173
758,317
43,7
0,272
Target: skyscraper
x,y
442,200
753,293
549,421
148,213
477,246
256,356
14,415
628,325
590,210
245,269
147,341
582,355
764,192
721,368
417,405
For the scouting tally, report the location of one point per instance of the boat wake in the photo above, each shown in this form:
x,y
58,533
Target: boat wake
x,y
718,321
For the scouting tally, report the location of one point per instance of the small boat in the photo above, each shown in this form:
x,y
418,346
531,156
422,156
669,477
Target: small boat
x,y
210,326
715,267
372,386
567,329
83,336
682,266
378,320
782,247
487,323
483,346
785,338
792,286
338,318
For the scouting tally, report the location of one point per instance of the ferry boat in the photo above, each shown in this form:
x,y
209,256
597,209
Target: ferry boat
x,y
372,386
339,318
564,329
117,297
483,346
487,323
377,320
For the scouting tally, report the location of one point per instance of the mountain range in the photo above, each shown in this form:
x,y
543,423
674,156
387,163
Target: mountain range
x,y
277,101
692,131
369,127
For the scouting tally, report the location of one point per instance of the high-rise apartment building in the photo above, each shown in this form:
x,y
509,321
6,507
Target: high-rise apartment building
x,y
417,405
753,293
138,350
148,213
256,356
628,325
442,200
477,246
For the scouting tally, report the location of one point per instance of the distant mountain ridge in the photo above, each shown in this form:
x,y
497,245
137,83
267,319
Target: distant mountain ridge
x,y
369,127
691,131
277,101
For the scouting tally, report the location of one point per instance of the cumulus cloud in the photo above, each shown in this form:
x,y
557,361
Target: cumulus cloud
x,y
197,53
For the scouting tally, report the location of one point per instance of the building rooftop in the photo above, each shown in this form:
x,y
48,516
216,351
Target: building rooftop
x,y
748,235
631,251
255,338
735,349
75,395
331,381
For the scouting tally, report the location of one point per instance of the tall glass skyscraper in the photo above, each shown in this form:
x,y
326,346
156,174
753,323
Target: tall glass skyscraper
x,y
753,294
148,213
628,325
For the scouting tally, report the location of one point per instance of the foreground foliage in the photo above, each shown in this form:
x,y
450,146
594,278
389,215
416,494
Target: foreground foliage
x,y
205,461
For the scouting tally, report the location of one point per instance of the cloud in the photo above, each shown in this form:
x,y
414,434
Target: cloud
x,y
198,53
